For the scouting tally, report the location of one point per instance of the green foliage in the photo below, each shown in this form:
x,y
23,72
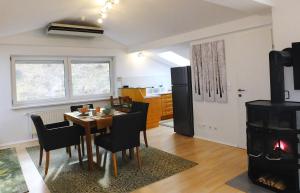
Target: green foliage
x,y
11,177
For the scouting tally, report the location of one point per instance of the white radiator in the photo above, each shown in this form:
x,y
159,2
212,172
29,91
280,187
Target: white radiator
x,y
48,116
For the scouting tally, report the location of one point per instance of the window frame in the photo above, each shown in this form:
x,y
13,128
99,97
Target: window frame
x,y
88,59
69,98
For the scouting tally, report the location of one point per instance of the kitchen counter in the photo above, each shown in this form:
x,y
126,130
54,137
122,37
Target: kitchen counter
x,y
158,94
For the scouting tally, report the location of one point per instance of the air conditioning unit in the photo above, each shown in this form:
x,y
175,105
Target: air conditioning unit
x,y
74,30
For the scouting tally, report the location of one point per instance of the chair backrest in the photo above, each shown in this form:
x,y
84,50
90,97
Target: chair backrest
x,y
141,107
125,100
125,131
111,99
76,107
40,127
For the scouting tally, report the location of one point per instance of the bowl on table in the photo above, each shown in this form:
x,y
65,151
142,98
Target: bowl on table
x,y
106,111
84,111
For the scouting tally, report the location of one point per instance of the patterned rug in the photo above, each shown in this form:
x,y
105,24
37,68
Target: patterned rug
x,y
66,176
11,176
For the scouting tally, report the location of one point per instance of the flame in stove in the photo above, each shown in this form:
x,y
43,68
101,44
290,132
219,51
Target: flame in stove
x,y
280,145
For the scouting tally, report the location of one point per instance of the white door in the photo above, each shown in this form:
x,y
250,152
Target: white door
x,y
252,75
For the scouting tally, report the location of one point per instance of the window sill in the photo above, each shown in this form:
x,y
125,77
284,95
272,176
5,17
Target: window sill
x,y
50,104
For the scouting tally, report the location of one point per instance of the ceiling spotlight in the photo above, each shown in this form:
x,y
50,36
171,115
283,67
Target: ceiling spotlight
x,y
101,2
106,5
103,15
109,5
100,20
104,9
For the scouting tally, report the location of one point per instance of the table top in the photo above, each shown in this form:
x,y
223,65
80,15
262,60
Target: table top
x,y
100,120
90,117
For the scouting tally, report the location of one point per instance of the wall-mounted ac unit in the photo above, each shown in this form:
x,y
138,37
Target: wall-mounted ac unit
x,y
74,30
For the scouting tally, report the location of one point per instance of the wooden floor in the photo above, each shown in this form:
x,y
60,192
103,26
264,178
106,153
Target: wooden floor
x,y
216,165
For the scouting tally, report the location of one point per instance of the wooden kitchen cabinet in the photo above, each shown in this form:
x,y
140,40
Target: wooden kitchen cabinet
x,y
166,106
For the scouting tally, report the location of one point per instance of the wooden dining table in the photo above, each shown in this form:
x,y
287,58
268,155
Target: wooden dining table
x,y
88,122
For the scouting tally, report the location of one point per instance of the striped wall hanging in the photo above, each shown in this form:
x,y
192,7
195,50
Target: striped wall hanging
x,y
209,72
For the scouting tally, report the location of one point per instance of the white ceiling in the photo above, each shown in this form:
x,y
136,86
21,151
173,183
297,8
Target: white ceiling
x,y
251,7
132,22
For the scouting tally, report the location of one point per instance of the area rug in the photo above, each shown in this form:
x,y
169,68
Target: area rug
x,y
167,123
11,176
66,176
243,183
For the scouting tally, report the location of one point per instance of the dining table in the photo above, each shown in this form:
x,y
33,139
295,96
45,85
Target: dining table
x,y
89,121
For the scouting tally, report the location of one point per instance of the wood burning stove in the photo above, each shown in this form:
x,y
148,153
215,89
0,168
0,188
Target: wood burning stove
x,y
273,129
272,145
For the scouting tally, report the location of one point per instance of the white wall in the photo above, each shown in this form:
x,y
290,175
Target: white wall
x,y
14,123
286,29
220,122
143,71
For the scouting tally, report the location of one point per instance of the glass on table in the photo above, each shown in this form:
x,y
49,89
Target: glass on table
x,y
98,109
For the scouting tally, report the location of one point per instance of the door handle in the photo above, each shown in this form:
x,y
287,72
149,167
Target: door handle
x,y
241,90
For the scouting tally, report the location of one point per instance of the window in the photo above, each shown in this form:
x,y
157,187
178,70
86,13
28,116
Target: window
x,y
44,81
175,58
90,78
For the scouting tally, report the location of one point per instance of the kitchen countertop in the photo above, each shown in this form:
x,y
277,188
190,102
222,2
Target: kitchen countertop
x,y
157,94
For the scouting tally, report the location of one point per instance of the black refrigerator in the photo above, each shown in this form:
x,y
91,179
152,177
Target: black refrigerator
x,y
182,100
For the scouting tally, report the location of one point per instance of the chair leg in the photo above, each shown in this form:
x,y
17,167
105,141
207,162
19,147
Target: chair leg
x,y
123,155
79,154
82,145
115,164
131,153
69,151
47,162
138,157
41,155
98,155
145,138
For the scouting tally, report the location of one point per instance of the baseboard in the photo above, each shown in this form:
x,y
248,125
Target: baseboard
x,y
216,141
17,142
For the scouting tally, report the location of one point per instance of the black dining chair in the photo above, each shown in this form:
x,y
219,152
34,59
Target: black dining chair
x,y
142,107
123,105
82,130
55,136
125,134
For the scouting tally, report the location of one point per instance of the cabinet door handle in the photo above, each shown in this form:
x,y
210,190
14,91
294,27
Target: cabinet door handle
x,y
256,156
272,159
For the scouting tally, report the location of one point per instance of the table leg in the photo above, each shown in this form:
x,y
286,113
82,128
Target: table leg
x,y
89,147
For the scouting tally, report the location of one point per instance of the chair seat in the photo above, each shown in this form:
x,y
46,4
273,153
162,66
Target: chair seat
x,y
104,141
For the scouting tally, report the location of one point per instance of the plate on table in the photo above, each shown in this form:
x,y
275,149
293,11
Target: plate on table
x,y
84,114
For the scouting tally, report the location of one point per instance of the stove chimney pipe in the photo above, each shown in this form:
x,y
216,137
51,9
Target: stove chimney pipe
x,y
278,59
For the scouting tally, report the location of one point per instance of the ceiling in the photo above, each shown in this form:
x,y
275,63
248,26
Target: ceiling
x,y
132,22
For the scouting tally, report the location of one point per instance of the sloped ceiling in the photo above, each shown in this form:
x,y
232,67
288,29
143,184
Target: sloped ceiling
x,y
132,22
